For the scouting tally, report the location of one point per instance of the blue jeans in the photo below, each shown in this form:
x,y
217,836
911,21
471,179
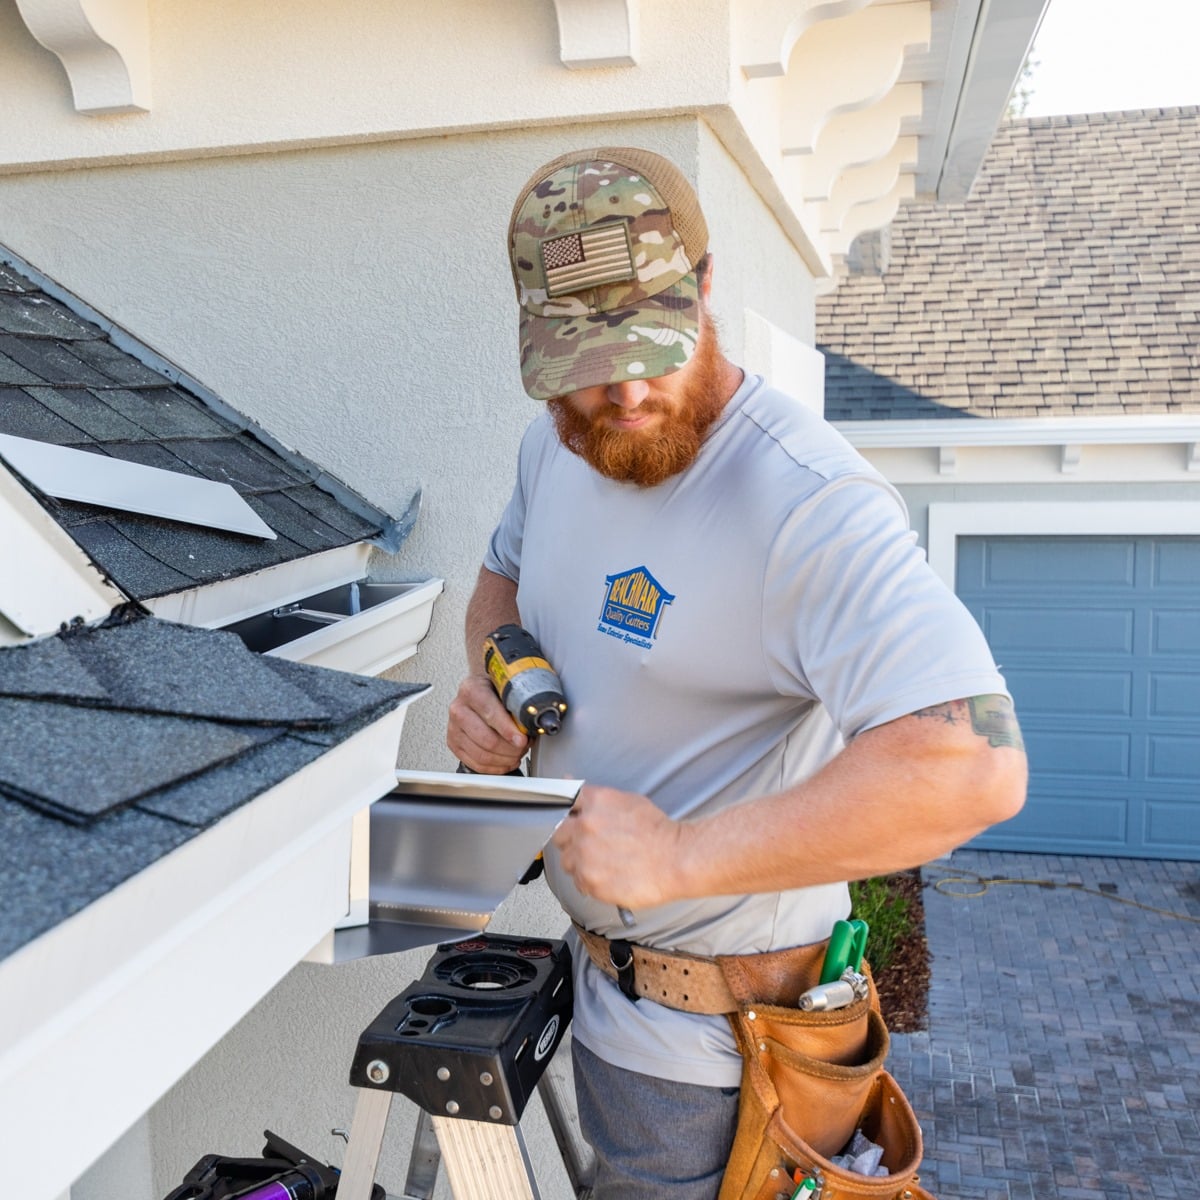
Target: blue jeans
x,y
654,1139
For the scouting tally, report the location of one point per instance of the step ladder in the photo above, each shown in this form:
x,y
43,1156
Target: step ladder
x,y
469,1042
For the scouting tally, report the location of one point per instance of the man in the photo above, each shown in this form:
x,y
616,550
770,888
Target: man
x,y
771,693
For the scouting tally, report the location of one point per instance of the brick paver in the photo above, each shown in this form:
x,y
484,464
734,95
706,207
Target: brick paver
x,y
1062,1059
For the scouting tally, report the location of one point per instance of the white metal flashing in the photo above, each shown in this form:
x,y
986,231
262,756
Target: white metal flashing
x,y
47,581
99,1016
70,474
949,522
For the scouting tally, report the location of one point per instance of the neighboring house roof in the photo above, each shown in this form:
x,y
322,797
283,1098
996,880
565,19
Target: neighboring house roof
x,y
119,743
1067,284
64,380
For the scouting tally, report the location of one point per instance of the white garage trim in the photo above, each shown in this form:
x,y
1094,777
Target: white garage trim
x,y
949,522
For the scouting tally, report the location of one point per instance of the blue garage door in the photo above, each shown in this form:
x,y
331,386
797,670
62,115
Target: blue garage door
x,y
1099,639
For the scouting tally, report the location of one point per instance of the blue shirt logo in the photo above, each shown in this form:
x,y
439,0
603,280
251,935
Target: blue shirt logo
x,y
633,605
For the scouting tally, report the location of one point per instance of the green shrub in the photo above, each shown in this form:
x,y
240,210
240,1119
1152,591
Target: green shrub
x,y
886,911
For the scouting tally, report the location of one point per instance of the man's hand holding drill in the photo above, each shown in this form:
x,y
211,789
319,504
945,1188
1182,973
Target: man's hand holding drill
x,y
480,733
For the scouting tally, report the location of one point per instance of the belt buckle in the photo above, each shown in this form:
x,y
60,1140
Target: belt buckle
x,y
624,970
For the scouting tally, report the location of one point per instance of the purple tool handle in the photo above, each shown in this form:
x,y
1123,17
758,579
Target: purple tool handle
x,y
273,1191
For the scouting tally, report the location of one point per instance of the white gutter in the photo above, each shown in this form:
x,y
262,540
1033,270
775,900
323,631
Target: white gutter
x,y
213,605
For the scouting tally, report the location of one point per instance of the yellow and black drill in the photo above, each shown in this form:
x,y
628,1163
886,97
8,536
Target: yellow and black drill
x,y
526,683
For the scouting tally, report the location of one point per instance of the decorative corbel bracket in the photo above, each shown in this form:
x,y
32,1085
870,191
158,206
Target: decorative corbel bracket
x,y
866,184
770,30
855,139
104,46
848,64
1071,457
597,33
871,214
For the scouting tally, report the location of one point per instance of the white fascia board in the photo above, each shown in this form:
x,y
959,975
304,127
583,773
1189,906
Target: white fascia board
x,y
988,47
1092,518
217,604
1035,431
105,1012
46,580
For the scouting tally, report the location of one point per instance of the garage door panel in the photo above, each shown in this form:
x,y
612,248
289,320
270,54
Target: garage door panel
x,y
1078,755
1029,563
1088,693
1102,820
1019,629
1174,759
1099,640
1177,564
1175,632
1169,824
1174,696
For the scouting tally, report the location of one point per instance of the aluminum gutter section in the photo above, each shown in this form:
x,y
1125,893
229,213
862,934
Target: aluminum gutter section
x,y
103,1013
214,605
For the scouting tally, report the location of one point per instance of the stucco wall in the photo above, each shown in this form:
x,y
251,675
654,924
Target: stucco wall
x,y
229,76
356,302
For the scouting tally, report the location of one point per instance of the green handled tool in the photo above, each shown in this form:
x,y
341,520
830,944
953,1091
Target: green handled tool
x,y
847,944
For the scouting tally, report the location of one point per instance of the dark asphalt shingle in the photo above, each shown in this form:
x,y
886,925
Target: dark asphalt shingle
x,y
203,799
81,763
50,869
47,668
64,381
149,666
94,788
1065,285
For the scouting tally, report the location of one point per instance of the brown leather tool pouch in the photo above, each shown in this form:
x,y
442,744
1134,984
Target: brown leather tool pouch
x,y
809,1081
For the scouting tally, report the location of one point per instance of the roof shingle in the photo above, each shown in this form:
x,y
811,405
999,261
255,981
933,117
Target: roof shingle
x,y
64,381
1068,283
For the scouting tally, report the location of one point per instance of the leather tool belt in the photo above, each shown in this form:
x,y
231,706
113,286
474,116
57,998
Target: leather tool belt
x,y
691,982
809,1079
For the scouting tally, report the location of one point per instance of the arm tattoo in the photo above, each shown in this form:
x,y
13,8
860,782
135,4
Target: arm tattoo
x,y
990,716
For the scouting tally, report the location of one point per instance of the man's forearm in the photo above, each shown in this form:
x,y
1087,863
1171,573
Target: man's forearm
x,y
493,603
898,796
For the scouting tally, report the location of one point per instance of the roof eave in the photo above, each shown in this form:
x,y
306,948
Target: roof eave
x,y
1021,431
107,1010
989,47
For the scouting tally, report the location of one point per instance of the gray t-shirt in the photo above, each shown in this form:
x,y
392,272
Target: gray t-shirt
x,y
719,637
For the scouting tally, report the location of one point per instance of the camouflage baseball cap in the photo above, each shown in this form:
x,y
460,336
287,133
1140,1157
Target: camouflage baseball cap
x,y
604,245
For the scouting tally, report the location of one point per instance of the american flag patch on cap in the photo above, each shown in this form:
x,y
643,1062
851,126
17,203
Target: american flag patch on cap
x,y
599,254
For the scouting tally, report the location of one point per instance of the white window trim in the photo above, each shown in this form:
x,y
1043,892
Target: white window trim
x,y
949,522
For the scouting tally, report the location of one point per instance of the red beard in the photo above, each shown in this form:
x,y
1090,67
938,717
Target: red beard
x,y
671,445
